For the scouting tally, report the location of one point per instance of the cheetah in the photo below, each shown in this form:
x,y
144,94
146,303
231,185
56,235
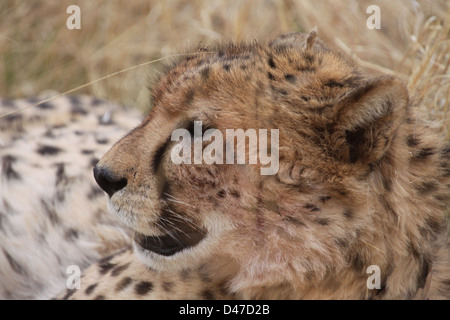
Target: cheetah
x,y
361,182
52,213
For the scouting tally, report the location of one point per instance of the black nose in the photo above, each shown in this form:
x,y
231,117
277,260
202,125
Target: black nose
x,y
108,181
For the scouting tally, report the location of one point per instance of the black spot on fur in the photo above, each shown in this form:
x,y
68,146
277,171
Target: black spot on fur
x,y
333,84
69,293
203,273
221,193
343,243
71,234
74,99
311,207
235,193
46,150
189,97
412,141
323,199
45,106
290,78
309,58
427,187
207,295
423,154
7,168
322,221
87,151
271,63
90,289
50,213
185,274
143,287
105,267
118,270
270,76
445,152
294,221
77,110
306,69
387,183
95,192
60,174
348,213
100,297
278,91
97,101
167,286
15,266
435,226
226,67
205,73
124,283
102,141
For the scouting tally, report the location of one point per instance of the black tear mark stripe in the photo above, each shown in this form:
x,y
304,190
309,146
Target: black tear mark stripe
x,y
159,154
7,168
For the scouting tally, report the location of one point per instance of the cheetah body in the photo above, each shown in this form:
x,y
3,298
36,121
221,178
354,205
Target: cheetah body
x,y
361,182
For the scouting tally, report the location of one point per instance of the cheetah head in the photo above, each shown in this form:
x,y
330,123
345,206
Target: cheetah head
x,y
319,214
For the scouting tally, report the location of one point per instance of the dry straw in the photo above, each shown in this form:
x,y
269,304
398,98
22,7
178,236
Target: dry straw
x,y
39,53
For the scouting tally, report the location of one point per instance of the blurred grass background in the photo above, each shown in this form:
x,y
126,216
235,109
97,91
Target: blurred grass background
x,y
38,52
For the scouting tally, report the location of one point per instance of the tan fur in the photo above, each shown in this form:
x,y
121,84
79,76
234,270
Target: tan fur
x,y
361,181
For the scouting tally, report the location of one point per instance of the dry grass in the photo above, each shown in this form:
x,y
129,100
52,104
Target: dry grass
x,y
39,53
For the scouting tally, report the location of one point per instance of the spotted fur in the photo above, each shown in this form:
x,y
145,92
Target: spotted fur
x,y
52,214
361,182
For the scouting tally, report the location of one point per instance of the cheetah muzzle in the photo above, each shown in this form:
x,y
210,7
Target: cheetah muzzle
x,y
178,235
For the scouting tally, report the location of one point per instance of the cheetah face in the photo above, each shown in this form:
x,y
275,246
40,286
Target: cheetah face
x,y
334,124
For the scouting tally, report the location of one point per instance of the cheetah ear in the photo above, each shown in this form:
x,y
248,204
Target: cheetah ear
x,y
311,39
368,118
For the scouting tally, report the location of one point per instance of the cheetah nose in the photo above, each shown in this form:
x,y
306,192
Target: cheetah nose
x,y
108,181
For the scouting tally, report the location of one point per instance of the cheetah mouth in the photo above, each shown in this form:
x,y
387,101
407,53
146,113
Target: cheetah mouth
x,y
169,244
